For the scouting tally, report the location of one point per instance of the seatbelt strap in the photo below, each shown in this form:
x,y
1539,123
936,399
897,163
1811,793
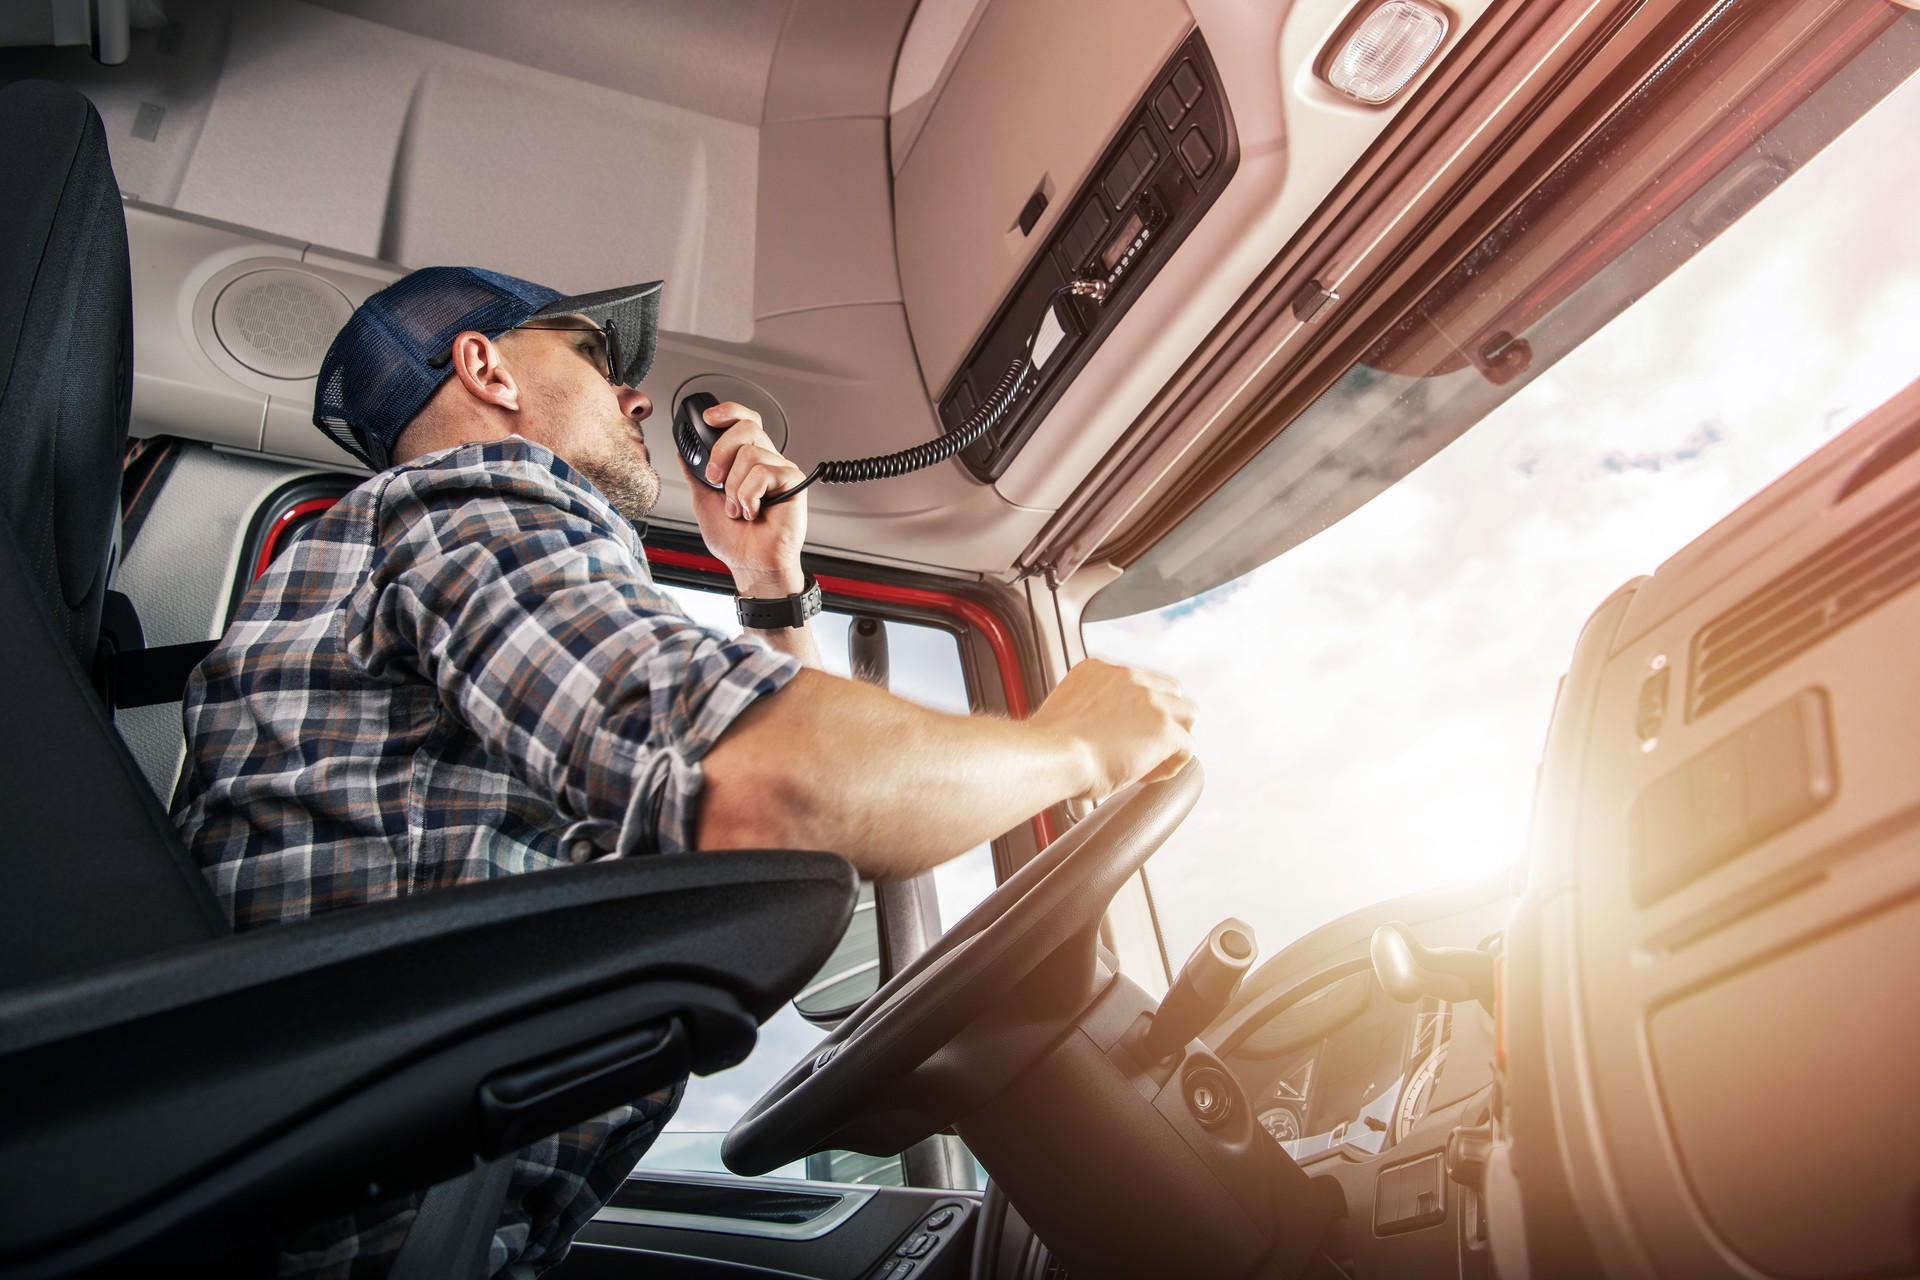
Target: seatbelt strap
x,y
453,1231
149,677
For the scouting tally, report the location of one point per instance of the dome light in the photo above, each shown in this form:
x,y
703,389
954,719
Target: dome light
x,y
1386,50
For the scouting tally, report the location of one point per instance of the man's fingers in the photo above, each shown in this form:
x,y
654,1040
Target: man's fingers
x,y
1101,672
727,413
1172,765
728,448
745,434
757,475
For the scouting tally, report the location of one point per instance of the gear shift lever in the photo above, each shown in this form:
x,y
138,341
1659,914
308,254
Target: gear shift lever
x,y
1411,972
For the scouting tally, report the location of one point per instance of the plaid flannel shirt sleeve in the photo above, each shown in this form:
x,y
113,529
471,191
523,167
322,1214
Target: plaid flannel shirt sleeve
x,y
543,634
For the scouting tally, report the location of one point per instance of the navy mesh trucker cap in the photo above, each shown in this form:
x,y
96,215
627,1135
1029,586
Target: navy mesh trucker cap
x,y
390,358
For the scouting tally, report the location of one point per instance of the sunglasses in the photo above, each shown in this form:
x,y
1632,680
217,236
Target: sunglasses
x,y
605,342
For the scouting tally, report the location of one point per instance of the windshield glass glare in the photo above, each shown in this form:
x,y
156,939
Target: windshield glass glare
x,y
1373,703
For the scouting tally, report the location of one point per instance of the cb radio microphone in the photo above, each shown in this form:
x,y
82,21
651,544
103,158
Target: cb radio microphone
x,y
694,438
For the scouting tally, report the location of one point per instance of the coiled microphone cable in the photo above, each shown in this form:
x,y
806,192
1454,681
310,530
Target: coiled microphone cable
x,y
982,420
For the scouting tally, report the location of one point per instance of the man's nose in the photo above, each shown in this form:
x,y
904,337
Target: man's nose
x,y
635,403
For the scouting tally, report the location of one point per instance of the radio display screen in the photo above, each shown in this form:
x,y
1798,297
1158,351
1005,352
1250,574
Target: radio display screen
x,y
1122,240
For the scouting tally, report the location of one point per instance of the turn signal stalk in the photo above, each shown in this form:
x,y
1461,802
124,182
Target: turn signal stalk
x,y
1206,985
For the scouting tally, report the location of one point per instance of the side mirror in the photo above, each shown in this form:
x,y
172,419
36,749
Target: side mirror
x,y
1410,972
851,973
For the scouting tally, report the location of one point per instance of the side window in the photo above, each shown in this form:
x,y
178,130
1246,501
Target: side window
x,y
925,666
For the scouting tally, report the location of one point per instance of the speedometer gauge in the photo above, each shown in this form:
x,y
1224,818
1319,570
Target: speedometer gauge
x,y
1419,1091
1433,1032
1282,1122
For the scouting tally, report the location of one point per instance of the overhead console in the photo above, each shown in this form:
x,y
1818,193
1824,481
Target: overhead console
x,y
1171,159
1021,183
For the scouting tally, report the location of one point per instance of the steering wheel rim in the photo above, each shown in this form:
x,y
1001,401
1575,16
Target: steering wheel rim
x,y
1059,896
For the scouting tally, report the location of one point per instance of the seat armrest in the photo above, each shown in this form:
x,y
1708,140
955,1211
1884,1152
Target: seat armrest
x,y
259,1082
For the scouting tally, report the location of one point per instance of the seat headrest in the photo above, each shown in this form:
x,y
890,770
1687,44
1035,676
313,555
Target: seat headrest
x,y
66,348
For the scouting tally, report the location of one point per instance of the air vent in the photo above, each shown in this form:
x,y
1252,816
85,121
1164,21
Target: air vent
x,y
1823,593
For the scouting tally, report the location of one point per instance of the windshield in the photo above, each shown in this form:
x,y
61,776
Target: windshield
x,y
1373,703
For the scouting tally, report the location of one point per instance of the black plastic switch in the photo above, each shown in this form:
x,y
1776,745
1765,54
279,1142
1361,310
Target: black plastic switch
x,y
1079,241
1168,107
916,1246
1129,170
1196,152
938,1219
1186,82
1030,214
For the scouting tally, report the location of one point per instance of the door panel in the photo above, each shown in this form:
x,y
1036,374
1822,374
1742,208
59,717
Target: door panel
x,y
673,1226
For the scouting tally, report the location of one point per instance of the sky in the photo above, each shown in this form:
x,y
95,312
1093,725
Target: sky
x,y
1373,703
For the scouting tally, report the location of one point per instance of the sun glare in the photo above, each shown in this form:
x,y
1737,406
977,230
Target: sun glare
x,y
1374,702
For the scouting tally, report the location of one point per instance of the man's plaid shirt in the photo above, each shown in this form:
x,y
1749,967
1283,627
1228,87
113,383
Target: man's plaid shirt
x,y
463,670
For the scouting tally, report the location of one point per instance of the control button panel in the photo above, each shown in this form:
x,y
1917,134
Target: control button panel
x,y
923,1249
1410,1196
1166,165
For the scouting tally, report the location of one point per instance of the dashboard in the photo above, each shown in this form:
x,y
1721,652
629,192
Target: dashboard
x,y
1345,1067
1363,1092
1369,1095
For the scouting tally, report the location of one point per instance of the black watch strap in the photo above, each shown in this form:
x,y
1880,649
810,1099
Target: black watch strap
x,y
780,612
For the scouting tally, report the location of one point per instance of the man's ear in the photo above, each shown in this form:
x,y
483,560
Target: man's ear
x,y
482,370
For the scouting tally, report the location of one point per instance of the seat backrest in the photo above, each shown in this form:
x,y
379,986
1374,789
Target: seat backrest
x,y
66,349
91,871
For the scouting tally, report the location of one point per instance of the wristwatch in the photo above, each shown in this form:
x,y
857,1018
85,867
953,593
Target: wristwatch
x,y
781,611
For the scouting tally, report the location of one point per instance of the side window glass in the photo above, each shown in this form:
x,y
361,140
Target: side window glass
x,y
925,666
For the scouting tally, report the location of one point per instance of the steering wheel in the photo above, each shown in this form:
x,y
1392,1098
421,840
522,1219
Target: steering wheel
x,y
885,1061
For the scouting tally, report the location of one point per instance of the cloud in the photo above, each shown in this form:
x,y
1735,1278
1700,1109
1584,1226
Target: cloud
x,y
1216,596
1701,439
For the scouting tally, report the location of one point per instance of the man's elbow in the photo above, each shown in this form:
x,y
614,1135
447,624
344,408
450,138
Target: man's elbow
x,y
748,807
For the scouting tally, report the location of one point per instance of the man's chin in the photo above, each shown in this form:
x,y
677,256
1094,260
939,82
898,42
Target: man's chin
x,y
631,485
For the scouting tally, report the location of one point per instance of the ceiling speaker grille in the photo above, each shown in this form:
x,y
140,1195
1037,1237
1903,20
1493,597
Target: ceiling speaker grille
x,y
279,322
1823,593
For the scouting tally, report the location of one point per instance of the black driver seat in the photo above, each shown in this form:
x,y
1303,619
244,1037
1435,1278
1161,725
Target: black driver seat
x,y
66,383
176,1093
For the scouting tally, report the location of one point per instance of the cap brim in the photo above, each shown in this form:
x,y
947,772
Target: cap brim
x,y
631,313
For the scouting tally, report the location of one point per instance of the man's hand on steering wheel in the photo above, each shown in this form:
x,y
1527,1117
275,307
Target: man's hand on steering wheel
x,y
1135,726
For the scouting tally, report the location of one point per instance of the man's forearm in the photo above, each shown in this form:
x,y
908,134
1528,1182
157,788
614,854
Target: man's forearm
x,y
893,787
798,641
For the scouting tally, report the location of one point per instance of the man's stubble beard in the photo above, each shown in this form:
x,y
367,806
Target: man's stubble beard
x,y
621,471
627,479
